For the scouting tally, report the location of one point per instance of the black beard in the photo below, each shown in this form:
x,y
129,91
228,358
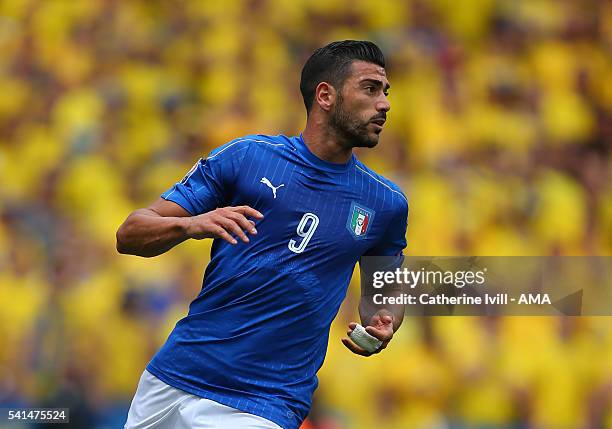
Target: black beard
x,y
350,129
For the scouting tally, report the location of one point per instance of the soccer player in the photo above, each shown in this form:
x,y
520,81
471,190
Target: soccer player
x,y
290,218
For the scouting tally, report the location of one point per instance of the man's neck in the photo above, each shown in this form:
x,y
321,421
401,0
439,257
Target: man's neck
x,y
322,141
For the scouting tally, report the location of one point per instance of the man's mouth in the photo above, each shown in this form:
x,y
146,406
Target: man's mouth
x,y
378,125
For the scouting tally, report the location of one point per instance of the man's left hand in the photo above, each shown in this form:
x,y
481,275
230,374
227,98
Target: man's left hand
x,y
380,326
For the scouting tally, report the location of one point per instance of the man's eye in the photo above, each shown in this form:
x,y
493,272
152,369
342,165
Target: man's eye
x,y
371,89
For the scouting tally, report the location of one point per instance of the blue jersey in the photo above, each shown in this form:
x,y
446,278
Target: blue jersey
x,y
257,333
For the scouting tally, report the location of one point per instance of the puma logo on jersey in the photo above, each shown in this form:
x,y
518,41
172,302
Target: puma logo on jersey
x,y
267,182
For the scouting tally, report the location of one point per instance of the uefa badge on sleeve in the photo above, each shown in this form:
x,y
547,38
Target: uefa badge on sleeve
x,y
359,220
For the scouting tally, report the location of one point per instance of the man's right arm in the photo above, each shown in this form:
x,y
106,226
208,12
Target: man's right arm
x,y
158,228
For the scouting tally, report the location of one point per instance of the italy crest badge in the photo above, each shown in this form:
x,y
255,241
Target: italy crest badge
x,y
359,220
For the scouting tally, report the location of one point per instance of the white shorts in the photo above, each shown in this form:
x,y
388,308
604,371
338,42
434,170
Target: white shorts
x,y
157,405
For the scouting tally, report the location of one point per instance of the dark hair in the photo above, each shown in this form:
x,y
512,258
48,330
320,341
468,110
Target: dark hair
x,y
332,63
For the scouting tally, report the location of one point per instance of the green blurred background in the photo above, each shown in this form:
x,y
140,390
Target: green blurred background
x,y
500,134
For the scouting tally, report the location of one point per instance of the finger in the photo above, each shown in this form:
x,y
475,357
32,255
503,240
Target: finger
x,y
381,348
244,223
383,334
381,320
248,211
351,328
221,233
386,319
232,227
388,327
355,348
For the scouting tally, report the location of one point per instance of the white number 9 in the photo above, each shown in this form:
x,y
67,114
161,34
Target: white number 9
x,y
303,232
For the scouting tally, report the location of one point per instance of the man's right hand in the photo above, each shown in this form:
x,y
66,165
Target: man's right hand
x,y
223,223
156,229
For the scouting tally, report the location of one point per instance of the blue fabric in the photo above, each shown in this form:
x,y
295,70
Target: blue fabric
x,y
257,333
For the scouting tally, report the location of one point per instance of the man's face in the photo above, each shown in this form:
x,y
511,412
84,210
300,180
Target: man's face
x,y
361,107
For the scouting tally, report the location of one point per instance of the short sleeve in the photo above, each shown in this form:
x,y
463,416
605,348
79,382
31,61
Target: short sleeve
x,y
393,242
207,185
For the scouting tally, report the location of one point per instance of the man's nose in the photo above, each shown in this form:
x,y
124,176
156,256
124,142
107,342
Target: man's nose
x,y
383,105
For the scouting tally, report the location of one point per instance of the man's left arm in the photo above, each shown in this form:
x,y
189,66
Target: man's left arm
x,y
379,317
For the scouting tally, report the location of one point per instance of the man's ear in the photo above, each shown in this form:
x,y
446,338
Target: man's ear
x,y
325,96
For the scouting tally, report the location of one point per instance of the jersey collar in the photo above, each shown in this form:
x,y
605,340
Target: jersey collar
x,y
321,163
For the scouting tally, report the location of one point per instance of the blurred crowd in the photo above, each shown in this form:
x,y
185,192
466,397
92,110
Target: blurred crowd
x,y
500,133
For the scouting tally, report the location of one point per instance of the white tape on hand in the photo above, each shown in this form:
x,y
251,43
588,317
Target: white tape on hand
x,y
365,340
